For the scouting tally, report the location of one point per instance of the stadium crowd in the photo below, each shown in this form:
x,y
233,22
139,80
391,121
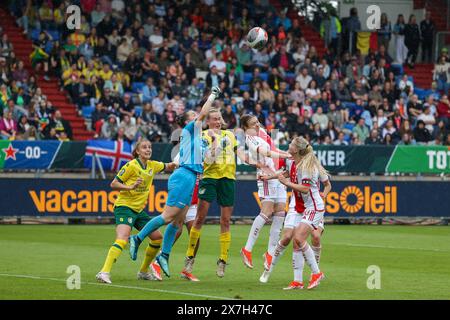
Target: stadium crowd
x,y
133,67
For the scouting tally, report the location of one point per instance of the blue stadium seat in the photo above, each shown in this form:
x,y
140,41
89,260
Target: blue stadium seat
x,y
290,75
48,47
247,77
264,76
420,92
55,34
35,34
397,69
201,85
138,111
244,87
137,87
87,111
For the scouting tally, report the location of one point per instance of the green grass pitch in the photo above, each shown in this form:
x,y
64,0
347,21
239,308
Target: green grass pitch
x,y
414,264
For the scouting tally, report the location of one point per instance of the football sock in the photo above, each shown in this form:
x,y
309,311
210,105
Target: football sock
x,y
298,262
225,239
169,238
151,226
150,253
317,251
278,252
113,254
257,225
310,259
275,231
194,235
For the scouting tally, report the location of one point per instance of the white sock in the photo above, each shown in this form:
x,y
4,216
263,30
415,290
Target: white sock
x,y
278,252
298,262
317,253
257,225
310,259
275,231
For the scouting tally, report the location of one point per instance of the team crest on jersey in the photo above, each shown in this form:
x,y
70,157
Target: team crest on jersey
x,y
130,220
121,219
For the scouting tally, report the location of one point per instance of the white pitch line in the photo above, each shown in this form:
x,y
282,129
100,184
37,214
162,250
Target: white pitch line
x,y
385,247
117,286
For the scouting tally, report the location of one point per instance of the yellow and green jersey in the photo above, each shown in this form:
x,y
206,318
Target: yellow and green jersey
x,y
137,199
224,164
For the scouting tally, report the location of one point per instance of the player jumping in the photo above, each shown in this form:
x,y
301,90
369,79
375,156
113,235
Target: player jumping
x,y
271,192
181,184
303,176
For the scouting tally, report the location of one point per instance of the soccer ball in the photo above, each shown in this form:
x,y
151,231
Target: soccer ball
x,y
257,38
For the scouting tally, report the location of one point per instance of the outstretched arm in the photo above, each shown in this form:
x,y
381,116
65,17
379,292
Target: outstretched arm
x,y
273,153
215,92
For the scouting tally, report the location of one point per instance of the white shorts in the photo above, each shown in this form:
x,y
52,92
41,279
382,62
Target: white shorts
x,y
190,215
293,219
272,190
313,218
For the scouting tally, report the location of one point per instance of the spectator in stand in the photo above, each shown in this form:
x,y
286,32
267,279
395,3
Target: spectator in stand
x,y
385,32
400,47
428,119
415,108
82,92
352,26
341,140
427,31
412,40
330,29
320,118
441,74
374,138
110,128
60,125
443,109
129,129
360,131
8,126
421,133
98,117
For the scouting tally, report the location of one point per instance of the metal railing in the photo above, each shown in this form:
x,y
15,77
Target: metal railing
x,y
440,42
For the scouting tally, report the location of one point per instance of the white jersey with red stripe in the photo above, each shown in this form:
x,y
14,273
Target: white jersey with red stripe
x,y
262,133
272,190
312,199
254,143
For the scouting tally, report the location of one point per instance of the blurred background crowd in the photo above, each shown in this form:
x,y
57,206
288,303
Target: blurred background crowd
x,y
133,66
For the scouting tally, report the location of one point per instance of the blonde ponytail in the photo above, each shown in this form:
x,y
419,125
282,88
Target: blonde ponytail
x,y
309,162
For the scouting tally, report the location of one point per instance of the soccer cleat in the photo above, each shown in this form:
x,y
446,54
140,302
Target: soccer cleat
x,y
247,258
145,276
134,246
156,270
315,280
189,264
294,285
267,261
189,276
221,268
163,262
103,277
265,276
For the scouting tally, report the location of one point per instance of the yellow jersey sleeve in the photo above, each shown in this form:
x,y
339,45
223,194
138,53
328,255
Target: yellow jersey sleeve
x,y
157,166
125,173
